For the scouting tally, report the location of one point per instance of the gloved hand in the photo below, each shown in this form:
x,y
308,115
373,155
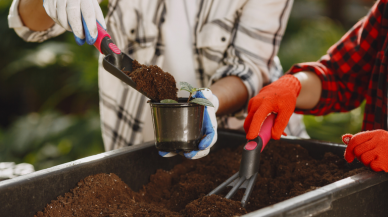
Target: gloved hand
x,y
209,128
370,147
279,98
77,16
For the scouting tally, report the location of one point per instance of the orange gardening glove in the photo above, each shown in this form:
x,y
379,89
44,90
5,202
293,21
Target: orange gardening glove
x,y
278,97
370,147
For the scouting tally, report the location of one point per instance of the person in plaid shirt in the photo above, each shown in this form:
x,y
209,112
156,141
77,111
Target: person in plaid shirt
x,y
353,70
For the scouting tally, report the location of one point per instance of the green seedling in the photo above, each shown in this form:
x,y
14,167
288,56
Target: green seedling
x,y
187,87
168,101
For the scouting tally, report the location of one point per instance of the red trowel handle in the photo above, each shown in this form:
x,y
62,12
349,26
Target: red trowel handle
x,y
104,42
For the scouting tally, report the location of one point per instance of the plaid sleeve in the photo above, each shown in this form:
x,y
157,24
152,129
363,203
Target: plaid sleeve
x,y
345,71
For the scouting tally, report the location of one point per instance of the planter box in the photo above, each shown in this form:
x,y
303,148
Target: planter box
x,y
364,194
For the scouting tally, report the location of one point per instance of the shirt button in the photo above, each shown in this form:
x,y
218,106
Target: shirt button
x,y
223,39
132,31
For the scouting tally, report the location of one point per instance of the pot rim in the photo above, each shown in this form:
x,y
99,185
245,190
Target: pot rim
x,y
179,104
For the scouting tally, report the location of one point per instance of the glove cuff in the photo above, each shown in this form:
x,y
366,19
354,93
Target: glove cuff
x,y
291,82
216,103
346,138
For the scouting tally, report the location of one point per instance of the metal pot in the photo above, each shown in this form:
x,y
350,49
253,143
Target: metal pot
x,y
177,126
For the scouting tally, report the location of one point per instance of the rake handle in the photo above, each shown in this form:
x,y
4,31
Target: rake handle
x,y
250,160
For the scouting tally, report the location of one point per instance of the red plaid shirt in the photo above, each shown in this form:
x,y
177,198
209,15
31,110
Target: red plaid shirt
x,y
354,69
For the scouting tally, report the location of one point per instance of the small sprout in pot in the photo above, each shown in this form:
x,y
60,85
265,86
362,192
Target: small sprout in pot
x,y
168,101
187,87
202,101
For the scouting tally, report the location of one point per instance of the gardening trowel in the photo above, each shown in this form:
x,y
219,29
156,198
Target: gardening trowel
x,y
115,61
249,166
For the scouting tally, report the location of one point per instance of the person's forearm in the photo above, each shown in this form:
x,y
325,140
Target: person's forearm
x,y
34,16
231,93
310,92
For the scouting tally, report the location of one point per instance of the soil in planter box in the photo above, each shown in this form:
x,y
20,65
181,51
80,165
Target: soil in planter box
x,y
286,170
154,81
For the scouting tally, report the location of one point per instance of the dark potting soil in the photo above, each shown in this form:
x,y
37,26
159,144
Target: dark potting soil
x,y
154,81
286,170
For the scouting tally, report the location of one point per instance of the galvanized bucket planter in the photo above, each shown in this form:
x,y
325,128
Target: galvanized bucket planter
x,y
177,126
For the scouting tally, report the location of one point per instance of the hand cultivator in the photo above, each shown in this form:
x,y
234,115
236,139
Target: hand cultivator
x,y
249,166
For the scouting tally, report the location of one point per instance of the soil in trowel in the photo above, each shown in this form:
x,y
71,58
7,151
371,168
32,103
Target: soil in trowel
x,y
154,81
286,170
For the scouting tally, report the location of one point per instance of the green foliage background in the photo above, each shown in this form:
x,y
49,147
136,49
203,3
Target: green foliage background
x,y
49,91
49,98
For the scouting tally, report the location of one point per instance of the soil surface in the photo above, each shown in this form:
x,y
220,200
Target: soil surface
x,y
154,81
286,170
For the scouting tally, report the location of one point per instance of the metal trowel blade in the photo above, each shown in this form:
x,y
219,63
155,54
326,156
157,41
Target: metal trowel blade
x,y
116,64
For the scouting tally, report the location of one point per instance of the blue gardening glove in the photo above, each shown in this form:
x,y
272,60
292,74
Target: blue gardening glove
x,y
209,128
77,16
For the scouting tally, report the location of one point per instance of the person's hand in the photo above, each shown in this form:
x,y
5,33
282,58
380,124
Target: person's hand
x,y
77,16
209,128
370,147
279,98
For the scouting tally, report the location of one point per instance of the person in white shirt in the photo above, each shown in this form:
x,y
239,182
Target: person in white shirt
x,y
229,46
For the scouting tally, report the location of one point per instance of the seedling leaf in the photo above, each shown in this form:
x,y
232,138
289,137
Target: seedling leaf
x,y
187,87
198,89
168,101
202,101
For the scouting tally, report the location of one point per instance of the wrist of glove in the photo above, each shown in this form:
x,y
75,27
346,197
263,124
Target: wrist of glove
x,y
279,98
79,17
370,147
209,128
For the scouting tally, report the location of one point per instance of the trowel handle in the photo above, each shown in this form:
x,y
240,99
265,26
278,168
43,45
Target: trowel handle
x,y
104,42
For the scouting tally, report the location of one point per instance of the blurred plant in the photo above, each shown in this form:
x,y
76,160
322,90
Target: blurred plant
x,y
49,139
49,97
309,41
332,127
